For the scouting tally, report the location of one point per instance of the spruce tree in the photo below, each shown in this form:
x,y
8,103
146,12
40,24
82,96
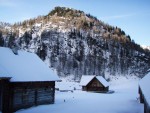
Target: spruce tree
x,y
1,40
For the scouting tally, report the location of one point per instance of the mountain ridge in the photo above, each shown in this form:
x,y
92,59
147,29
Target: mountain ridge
x,y
75,43
145,47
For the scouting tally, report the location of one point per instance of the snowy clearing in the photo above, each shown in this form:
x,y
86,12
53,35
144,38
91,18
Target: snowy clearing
x,y
123,100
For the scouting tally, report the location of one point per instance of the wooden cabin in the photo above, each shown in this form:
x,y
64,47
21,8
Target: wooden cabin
x,y
144,92
25,81
94,83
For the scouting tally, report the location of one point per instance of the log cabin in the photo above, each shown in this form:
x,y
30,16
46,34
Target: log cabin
x,y
25,81
94,83
144,92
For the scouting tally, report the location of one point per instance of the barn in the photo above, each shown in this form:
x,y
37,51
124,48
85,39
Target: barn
x,y
94,83
25,81
144,92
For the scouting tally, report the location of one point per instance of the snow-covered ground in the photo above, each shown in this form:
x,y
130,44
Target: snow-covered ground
x,y
123,100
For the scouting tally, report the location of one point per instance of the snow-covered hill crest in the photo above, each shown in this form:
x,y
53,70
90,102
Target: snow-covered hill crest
x,y
146,47
75,43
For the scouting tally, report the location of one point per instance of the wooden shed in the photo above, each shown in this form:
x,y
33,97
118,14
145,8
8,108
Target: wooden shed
x,y
25,81
94,83
144,92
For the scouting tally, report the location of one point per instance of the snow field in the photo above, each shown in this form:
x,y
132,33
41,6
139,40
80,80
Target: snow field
x,y
123,100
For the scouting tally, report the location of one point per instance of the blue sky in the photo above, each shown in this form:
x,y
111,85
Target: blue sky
x,y
132,16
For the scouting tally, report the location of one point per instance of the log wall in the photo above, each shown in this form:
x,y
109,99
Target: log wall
x,y
143,100
32,94
95,85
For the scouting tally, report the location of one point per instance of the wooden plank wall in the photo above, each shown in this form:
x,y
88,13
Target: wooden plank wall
x,y
32,94
0,96
143,100
6,96
95,85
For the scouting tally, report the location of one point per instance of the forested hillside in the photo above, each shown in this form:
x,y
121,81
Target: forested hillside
x,y
75,43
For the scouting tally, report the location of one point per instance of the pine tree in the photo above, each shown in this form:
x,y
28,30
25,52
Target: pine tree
x,y
1,39
11,41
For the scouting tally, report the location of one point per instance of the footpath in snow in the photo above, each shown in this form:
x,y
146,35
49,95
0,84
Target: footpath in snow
x,y
123,100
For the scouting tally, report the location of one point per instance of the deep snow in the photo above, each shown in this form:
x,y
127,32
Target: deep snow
x,y
123,100
144,83
25,66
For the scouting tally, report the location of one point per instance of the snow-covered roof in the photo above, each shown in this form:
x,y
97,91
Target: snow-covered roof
x,y
24,67
103,81
85,79
3,71
144,85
